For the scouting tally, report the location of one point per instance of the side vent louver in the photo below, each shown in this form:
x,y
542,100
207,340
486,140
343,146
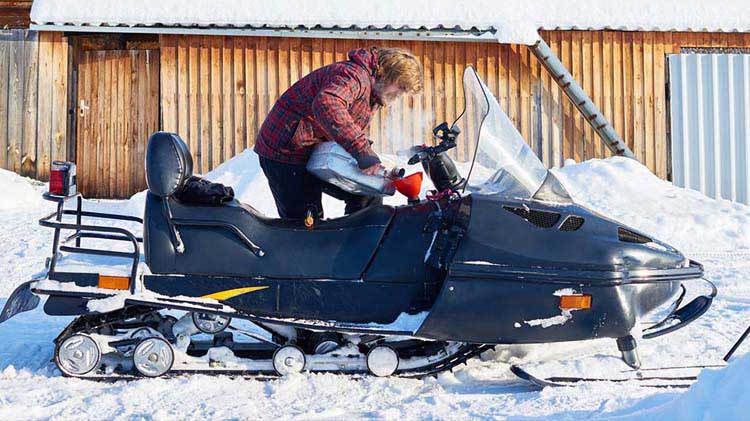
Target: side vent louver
x,y
628,236
539,218
572,223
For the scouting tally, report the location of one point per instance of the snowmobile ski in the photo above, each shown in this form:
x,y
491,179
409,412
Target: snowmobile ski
x,y
681,377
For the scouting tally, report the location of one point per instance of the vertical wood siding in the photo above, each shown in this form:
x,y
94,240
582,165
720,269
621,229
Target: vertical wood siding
x,y
216,91
119,89
33,101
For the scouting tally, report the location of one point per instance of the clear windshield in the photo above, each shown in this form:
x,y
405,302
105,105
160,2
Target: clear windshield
x,y
501,162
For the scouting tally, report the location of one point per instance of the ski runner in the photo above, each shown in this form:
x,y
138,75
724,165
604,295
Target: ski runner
x,y
333,103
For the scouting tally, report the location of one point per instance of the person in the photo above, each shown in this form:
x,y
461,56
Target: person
x,y
333,103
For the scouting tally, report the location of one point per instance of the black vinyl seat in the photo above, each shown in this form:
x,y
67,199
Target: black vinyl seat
x,y
236,240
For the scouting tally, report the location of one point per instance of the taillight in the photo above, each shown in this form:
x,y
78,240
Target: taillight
x,y
56,177
62,179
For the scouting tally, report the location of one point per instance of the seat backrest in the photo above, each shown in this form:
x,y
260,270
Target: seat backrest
x,y
168,163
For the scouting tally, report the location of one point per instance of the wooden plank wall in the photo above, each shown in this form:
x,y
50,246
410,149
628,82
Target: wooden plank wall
x,y
14,14
120,89
33,101
216,91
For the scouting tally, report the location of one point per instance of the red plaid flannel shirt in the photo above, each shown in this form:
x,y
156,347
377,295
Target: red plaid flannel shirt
x,y
334,103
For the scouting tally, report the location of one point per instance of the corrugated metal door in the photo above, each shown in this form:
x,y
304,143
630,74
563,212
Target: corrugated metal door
x,y
710,113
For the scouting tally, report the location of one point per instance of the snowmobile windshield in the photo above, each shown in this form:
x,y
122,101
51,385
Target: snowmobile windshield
x,y
501,162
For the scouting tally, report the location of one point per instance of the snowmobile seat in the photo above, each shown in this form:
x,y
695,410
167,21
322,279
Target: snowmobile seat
x,y
237,240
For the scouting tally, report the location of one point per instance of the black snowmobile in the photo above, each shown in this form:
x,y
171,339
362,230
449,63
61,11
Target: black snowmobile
x,y
500,255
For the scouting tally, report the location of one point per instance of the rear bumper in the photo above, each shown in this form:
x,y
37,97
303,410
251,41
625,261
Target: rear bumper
x,y
485,306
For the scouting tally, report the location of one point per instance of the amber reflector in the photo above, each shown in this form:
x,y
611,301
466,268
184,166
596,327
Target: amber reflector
x,y
114,282
575,302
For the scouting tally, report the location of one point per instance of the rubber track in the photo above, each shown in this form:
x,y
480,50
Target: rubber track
x,y
88,322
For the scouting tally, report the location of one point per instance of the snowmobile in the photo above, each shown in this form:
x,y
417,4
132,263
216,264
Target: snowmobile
x,y
498,255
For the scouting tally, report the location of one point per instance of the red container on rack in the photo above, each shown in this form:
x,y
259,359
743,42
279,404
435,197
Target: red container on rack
x,y
62,179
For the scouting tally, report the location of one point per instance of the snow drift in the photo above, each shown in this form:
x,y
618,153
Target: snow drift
x,y
718,395
19,191
625,190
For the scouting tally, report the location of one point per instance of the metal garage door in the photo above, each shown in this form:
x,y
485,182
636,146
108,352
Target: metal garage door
x,y
710,113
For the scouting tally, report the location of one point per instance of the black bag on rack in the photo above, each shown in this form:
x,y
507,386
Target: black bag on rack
x,y
201,191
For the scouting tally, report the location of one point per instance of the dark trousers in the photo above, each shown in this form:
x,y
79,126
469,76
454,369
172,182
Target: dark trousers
x,y
295,191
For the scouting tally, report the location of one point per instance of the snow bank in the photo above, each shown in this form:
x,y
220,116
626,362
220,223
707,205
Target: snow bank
x,y
718,395
514,22
625,190
18,191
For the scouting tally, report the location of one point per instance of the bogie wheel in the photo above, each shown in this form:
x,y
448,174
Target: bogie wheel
x,y
211,323
77,355
153,357
382,361
288,359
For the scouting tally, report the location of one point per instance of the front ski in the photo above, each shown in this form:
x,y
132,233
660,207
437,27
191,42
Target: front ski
x,y
665,377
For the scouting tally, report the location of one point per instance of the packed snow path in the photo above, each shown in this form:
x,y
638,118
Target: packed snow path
x,y
717,233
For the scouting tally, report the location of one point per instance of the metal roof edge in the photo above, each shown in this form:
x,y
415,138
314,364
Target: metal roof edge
x,y
375,34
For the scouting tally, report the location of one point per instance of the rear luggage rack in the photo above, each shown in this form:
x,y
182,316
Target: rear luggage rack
x,y
55,221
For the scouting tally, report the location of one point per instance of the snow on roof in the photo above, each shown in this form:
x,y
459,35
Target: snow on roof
x,y
510,21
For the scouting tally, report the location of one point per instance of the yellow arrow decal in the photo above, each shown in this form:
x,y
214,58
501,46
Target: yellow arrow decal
x,y
225,295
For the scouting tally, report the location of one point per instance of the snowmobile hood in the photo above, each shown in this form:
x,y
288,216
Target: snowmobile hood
x,y
529,238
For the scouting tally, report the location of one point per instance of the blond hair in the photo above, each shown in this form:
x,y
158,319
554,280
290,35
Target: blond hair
x,y
400,67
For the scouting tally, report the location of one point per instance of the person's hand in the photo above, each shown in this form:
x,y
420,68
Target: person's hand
x,y
374,170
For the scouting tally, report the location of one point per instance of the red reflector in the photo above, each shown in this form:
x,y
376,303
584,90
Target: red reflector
x,y
575,302
56,178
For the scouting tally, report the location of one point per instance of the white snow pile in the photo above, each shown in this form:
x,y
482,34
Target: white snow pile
x,y
625,190
18,191
718,395
513,22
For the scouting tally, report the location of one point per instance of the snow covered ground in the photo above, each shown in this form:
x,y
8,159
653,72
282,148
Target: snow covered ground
x,y
717,233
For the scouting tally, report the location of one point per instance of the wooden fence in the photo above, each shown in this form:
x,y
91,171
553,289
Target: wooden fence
x,y
215,92
33,101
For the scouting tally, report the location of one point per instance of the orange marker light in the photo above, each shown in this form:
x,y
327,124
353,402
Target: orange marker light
x,y
575,302
114,282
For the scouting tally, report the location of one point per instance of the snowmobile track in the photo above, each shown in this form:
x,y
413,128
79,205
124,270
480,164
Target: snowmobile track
x,y
88,323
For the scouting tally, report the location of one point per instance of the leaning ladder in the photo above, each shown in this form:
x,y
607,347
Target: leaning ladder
x,y
578,97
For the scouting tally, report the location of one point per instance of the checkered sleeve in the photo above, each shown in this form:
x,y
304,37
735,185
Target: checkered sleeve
x,y
331,110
